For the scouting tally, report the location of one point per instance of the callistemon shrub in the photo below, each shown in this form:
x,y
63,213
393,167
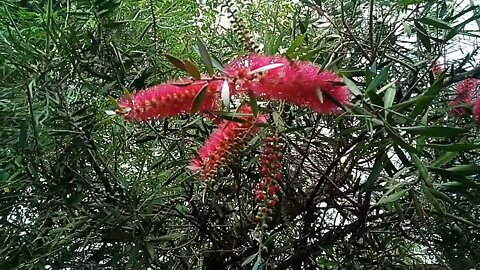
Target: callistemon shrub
x,y
271,78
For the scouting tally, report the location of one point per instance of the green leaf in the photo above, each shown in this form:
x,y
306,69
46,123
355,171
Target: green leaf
x,y
440,195
393,197
453,176
444,159
422,35
427,98
389,98
192,69
23,134
422,170
253,103
205,56
352,86
298,41
114,102
249,259
454,147
175,61
432,200
277,119
400,141
376,82
376,170
405,3
198,100
437,23
434,131
467,169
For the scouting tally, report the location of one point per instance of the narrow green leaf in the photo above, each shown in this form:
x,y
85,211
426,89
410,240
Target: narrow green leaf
x,y
444,159
253,103
467,169
114,102
427,98
434,131
23,134
422,170
432,200
296,43
175,61
277,119
437,23
389,98
423,36
198,100
440,195
192,69
205,56
393,197
376,170
249,259
454,147
453,176
352,86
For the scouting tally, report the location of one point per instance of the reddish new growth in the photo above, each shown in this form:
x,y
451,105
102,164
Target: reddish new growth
x,y
266,192
225,142
463,96
166,100
299,83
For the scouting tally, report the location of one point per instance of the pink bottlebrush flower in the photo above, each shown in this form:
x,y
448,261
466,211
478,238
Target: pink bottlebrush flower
x,y
476,110
437,69
225,142
170,99
294,81
463,96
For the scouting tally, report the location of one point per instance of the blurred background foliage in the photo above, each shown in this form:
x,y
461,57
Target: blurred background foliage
x,y
390,183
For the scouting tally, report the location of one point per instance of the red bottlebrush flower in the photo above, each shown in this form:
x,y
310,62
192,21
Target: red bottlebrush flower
x,y
227,140
476,110
166,100
463,96
295,82
437,69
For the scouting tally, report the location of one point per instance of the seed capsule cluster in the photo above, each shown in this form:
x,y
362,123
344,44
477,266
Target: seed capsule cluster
x,y
266,192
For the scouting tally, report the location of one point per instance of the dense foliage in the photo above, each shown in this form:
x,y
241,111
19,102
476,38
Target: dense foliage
x,y
390,182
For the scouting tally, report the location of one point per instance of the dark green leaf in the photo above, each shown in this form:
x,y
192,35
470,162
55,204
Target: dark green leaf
x,y
376,170
423,36
434,131
192,69
454,147
175,61
435,23
198,100
205,56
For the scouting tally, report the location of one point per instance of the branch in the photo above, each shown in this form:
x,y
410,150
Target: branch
x,y
473,73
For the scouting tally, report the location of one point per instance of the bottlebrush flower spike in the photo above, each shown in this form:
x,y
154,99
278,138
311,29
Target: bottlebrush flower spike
x,y
171,99
463,96
225,142
476,110
296,82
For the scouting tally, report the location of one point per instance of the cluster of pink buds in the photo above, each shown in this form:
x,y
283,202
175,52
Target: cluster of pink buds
x,y
266,192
